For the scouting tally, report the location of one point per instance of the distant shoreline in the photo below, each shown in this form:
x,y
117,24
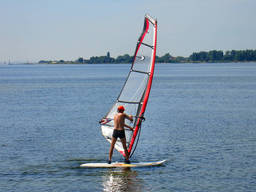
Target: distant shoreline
x,y
127,63
213,56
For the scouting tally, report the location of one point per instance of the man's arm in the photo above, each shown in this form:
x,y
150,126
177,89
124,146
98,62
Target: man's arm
x,y
130,117
129,127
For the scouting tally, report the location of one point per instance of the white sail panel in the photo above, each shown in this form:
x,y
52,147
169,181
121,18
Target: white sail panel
x,y
134,88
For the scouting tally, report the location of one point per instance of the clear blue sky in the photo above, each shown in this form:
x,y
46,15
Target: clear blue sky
x,y
31,30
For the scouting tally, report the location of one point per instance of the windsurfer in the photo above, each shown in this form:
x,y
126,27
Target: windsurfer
x,y
119,124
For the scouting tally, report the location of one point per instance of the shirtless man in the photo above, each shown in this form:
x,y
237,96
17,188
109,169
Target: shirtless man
x,y
119,132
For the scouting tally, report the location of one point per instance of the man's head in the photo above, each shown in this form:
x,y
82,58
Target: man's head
x,y
120,109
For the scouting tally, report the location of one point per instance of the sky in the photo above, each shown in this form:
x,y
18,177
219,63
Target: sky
x,y
33,30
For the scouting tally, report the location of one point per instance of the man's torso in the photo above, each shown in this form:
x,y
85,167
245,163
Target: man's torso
x,y
119,121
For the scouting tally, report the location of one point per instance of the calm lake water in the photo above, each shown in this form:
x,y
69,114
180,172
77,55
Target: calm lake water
x,y
200,117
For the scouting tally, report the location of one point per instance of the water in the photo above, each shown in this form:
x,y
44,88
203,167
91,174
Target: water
x,y
200,117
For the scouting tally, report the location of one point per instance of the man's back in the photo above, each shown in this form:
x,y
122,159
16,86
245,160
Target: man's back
x,y
119,121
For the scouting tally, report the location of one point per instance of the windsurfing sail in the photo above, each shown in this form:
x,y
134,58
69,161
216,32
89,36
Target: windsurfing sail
x,y
135,92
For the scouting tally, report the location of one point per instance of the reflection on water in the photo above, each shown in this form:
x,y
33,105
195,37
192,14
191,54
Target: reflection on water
x,y
122,180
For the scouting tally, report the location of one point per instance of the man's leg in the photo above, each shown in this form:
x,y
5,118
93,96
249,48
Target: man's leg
x,y
123,140
113,142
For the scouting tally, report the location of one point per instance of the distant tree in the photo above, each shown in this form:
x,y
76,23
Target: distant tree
x,y
215,55
80,60
220,55
194,57
43,61
180,59
203,56
165,58
227,56
124,59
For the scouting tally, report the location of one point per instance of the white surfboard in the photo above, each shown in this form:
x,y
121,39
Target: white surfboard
x,y
120,164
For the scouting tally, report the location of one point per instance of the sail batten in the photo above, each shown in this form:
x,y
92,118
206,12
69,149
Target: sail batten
x,y
131,102
135,92
140,72
152,47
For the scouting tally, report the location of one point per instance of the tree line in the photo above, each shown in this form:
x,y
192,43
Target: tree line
x,y
203,56
220,56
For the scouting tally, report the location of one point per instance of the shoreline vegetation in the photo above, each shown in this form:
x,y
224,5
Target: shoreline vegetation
x,y
214,56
